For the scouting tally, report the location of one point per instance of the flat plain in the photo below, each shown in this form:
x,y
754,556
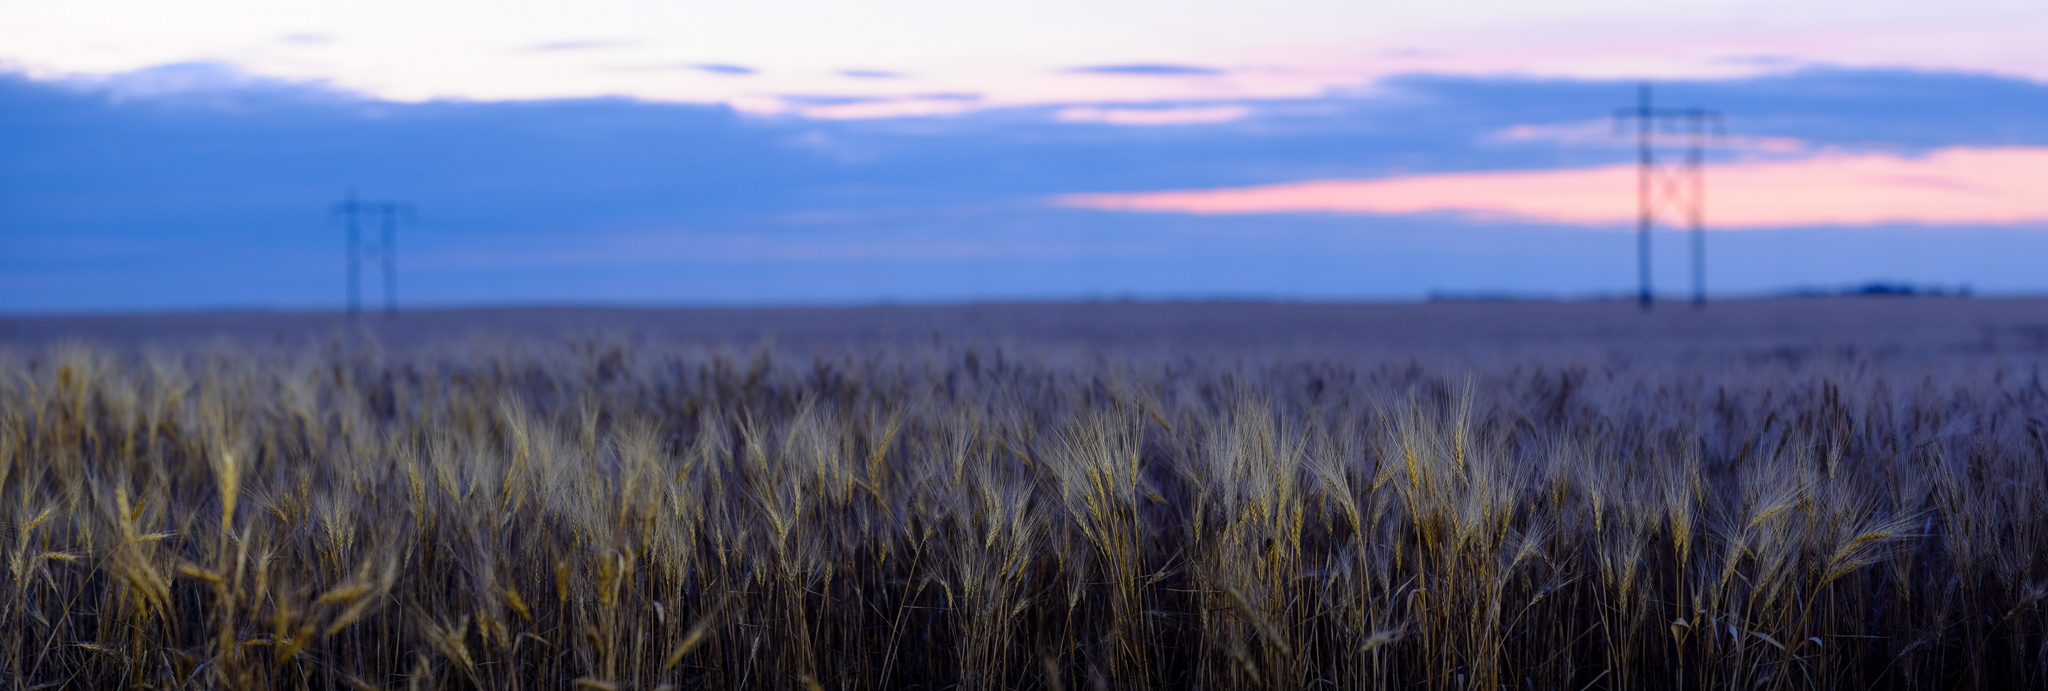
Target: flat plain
x,y
1811,493
1480,326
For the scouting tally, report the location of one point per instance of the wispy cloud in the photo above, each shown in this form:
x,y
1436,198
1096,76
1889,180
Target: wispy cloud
x,y
1605,134
724,69
214,83
560,46
307,39
873,107
871,74
1949,186
1148,70
829,99
717,69
1767,61
1172,115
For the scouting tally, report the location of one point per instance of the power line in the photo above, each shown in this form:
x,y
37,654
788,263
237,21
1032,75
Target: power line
x,y
1684,187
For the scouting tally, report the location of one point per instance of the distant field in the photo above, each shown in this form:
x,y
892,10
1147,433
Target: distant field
x,y
1826,493
1917,324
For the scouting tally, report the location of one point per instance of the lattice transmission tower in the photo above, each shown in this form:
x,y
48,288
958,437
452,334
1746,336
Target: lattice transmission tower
x,y
1680,188
354,213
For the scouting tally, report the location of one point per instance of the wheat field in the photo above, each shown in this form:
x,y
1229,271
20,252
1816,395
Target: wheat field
x,y
620,513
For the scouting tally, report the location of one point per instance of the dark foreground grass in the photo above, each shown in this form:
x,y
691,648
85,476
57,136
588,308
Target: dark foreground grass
x,y
606,514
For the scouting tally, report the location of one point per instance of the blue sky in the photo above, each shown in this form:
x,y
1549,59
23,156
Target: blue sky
x,y
202,179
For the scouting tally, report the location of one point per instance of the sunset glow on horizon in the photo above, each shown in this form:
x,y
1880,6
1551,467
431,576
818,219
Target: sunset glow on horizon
x,y
1950,186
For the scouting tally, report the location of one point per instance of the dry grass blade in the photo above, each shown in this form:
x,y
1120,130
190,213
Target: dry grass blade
x,y
696,635
1382,638
1266,629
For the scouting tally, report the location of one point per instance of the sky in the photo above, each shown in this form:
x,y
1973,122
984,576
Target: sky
x,y
186,156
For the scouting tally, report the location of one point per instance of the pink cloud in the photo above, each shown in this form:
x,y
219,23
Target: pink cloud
x,y
1949,186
